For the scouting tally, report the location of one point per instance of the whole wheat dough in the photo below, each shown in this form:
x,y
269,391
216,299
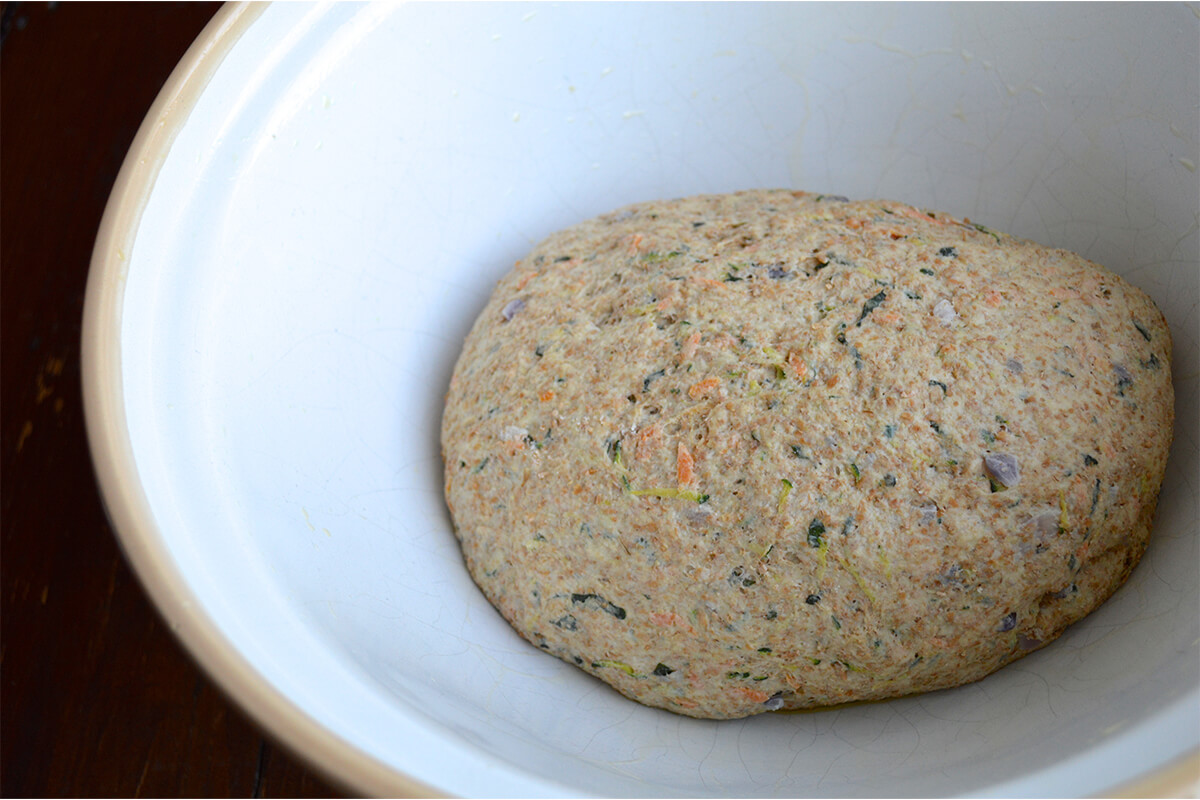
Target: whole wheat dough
x,y
768,450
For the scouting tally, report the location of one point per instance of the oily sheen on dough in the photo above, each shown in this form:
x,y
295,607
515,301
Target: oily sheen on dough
x,y
771,450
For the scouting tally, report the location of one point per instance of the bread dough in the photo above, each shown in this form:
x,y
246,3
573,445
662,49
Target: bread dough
x,y
769,450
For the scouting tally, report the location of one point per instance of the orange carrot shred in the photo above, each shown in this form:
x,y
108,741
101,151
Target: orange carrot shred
x,y
703,387
798,365
684,465
754,694
546,396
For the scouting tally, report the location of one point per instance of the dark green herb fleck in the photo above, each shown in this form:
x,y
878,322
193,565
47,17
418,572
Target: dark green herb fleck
x,y
947,252
482,464
1088,461
816,529
660,668
590,600
649,379
940,385
982,229
871,305
813,599
1145,334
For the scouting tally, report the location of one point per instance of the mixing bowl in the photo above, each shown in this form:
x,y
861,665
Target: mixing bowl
x,y
319,204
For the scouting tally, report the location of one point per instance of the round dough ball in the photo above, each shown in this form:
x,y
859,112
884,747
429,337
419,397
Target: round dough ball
x,y
767,450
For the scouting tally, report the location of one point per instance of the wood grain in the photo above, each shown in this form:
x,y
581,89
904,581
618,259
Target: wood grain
x,y
98,697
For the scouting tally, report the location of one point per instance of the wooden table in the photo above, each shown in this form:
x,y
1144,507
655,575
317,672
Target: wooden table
x,y
98,697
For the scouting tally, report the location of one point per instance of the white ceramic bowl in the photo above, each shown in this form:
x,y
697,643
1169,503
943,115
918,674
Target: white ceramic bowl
x,y
321,201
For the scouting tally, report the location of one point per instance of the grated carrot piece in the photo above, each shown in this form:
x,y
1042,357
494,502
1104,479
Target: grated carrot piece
x,y
994,299
754,694
635,242
546,396
908,211
703,387
797,364
684,465
647,440
689,347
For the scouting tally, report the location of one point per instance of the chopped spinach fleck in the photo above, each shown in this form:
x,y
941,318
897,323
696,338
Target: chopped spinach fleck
x,y
1145,334
567,623
590,600
482,464
889,480
614,452
661,669
764,649
1124,379
649,379
798,452
940,385
947,252
871,305
816,529
989,232
1089,461
813,599
927,270
889,431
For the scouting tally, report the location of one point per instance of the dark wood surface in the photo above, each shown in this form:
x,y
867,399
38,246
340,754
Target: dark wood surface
x,y
98,698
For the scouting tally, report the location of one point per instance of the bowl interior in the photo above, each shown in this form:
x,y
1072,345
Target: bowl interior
x,y
353,180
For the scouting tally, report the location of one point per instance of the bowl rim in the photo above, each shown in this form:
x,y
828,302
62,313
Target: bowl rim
x,y
113,463
128,508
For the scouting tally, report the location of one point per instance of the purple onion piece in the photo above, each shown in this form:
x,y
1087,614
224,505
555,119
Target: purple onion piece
x,y
1002,468
774,702
1015,366
512,309
1009,622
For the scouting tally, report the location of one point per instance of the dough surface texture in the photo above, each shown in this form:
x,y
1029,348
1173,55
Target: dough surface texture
x,y
770,450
